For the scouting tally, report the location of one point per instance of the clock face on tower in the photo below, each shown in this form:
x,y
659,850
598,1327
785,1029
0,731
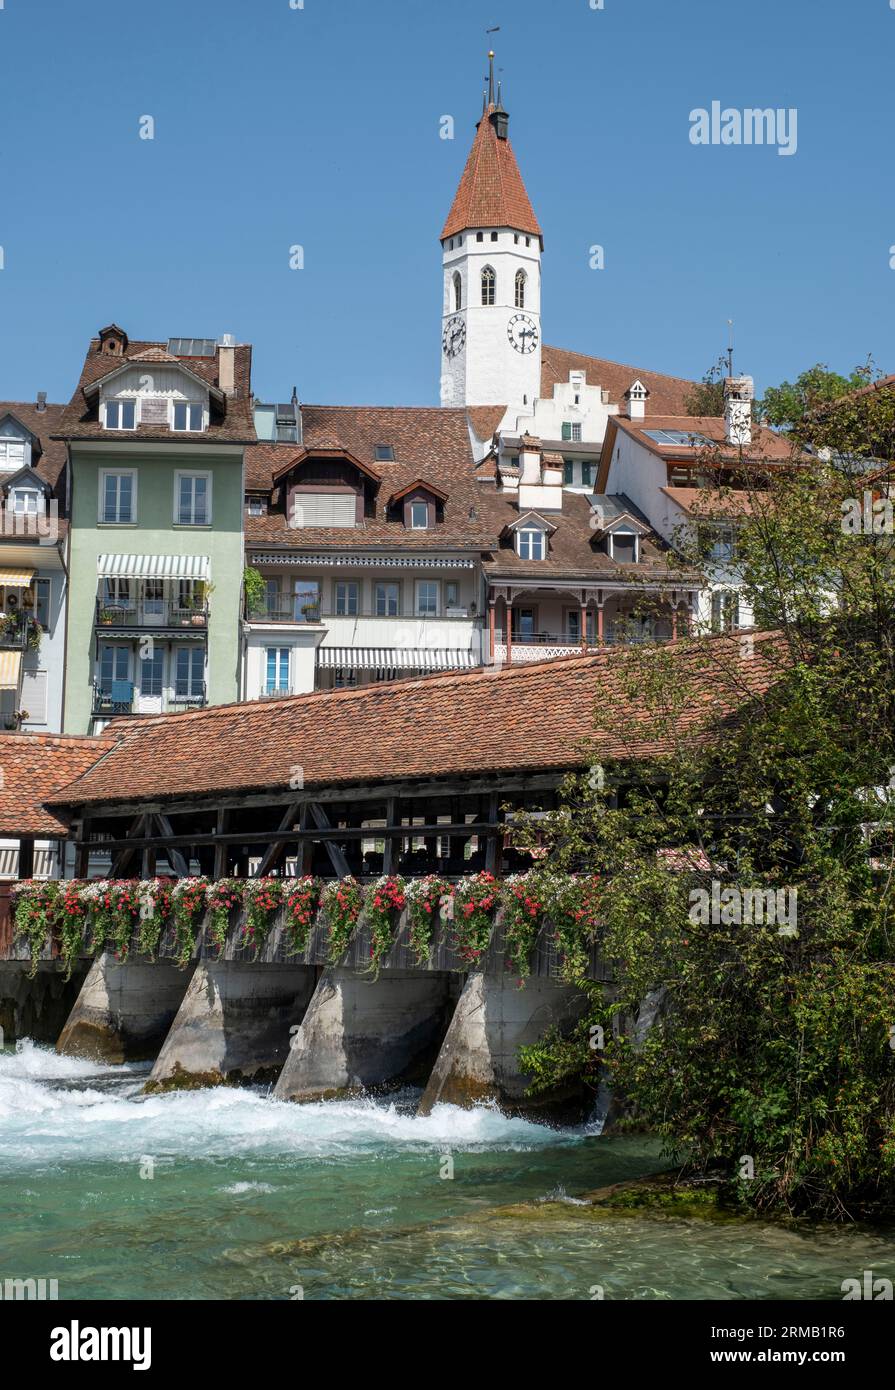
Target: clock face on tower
x,y
522,333
454,336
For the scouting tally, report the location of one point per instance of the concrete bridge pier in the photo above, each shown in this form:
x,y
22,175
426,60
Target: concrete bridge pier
x,y
478,1061
124,1010
233,1024
36,1006
359,1034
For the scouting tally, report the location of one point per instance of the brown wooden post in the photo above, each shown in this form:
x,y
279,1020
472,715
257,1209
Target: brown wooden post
x,y
389,854
584,624
82,854
508,607
600,624
492,604
220,849
492,842
26,857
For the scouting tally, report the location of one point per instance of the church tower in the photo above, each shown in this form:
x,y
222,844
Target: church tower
x,y
491,251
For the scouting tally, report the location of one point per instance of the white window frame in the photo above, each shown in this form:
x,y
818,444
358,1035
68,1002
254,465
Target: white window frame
x,y
531,531
413,524
350,587
386,584
189,406
117,473
11,441
23,493
118,402
278,689
192,473
419,612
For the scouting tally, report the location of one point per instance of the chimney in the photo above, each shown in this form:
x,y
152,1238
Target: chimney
x,y
41,401
227,364
529,459
636,395
738,394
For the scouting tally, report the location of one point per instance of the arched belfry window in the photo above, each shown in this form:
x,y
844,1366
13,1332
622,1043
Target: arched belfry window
x,y
521,278
458,291
489,284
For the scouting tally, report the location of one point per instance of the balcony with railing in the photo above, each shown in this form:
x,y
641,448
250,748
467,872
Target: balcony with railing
x,y
113,698
19,632
159,613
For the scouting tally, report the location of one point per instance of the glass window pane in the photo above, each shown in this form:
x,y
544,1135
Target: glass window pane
x,y
128,415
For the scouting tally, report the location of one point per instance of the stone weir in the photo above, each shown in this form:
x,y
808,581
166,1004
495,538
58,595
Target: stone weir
x,y
322,1028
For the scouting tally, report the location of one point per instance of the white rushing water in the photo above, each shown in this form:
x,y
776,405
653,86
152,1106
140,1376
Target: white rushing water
x,y
56,1109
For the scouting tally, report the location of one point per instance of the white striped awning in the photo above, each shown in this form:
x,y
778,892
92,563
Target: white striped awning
x,y
390,658
10,666
16,579
153,566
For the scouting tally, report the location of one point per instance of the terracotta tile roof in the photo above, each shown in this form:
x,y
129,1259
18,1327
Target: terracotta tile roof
x,y
667,393
491,191
572,551
33,766
696,502
429,443
485,419
44,424
487,721
80,418
766,443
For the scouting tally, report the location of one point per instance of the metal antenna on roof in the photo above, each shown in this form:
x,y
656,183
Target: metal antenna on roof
x,y
730,347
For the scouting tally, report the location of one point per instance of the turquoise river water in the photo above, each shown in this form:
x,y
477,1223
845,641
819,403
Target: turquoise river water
x,y
227,1194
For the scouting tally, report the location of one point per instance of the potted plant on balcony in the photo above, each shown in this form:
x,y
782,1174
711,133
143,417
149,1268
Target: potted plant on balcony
x,y
35,635
198,602
105,616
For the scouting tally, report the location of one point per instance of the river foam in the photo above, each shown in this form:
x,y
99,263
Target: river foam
x,y
55,1109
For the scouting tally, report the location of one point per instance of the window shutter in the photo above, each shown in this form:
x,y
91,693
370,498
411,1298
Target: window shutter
x,y
324,509
566,430
34,696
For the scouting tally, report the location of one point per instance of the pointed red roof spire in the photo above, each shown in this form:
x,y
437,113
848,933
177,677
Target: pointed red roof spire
x,y
491,192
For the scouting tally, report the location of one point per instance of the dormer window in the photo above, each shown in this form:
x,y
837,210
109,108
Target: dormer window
x,y
623,547
25,501
419,516
121,415
12,455
531,543
188,417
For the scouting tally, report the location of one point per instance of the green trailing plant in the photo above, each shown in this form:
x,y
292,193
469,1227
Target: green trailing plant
x,y
34,915
114,906
254,586
342,903
572,903
383,904
475,901
220,899
302,905
71,918
188,899
155,911
262,897
522,898
425,897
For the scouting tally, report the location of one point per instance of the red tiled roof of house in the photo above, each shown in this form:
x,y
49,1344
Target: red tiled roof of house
x,y
485,419
488,721
666,393
430,444
33,766
235,425
491,191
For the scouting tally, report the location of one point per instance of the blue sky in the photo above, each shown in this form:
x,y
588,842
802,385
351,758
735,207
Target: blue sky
x,y
320,127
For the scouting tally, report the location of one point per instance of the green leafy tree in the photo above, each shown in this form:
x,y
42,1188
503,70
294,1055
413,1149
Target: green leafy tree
x,y
757,1031
792,403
